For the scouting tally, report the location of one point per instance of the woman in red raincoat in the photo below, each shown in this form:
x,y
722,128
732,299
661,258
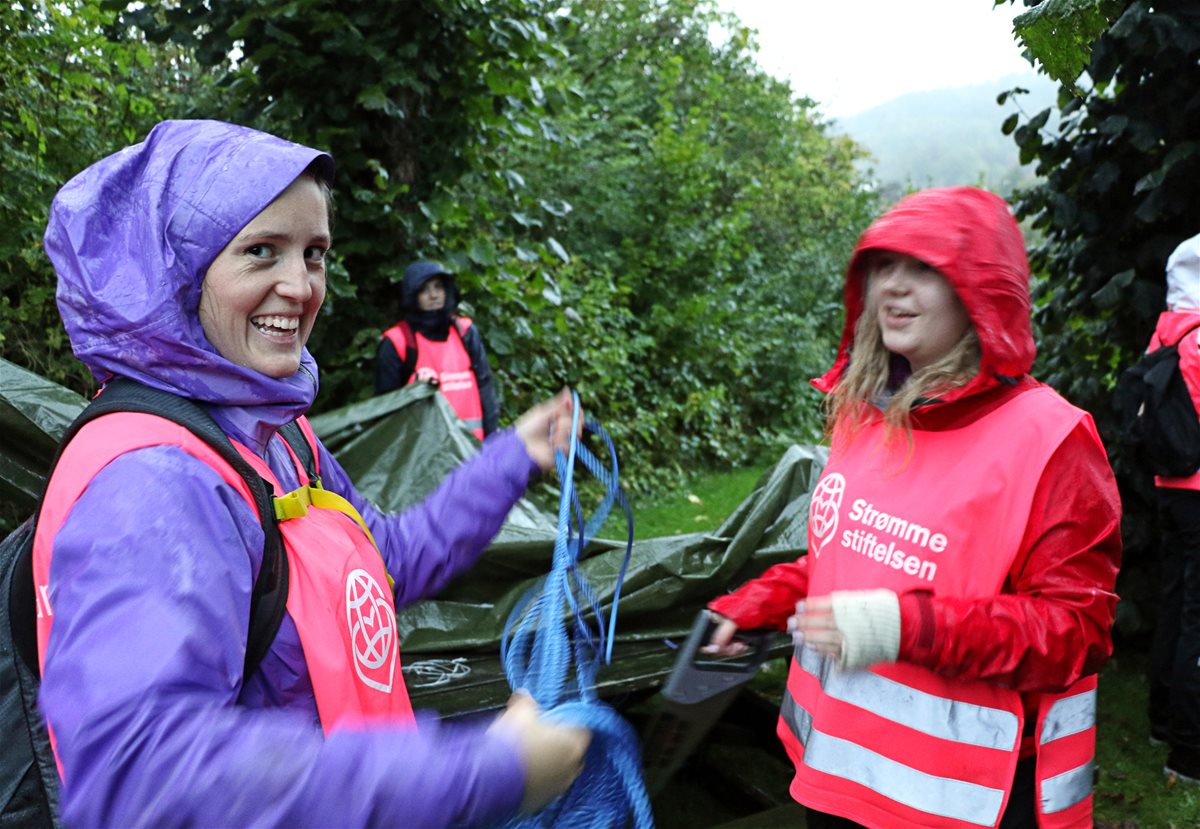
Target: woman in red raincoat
x,y
957,596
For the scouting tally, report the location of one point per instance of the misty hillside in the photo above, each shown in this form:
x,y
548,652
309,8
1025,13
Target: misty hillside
x,y
949,136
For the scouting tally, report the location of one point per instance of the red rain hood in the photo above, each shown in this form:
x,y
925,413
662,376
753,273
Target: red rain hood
x,y
971,237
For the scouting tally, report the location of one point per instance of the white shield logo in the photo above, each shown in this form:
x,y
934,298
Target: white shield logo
x,y
372,631
823,509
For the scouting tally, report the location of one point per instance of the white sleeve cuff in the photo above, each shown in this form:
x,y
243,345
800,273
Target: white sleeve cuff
x,y
869,621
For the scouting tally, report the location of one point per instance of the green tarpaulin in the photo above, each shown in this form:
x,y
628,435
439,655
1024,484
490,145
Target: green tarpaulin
x,y
398,446
34,413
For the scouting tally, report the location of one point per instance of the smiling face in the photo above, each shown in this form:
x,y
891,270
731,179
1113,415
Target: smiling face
x,y
920,317
432,296
261,294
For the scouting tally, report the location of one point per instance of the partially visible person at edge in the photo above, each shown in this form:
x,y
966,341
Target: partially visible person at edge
x,y
194,262
956,600
1175,659
448,349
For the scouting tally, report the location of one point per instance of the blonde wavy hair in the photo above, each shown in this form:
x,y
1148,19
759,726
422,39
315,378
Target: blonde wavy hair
x,y
864,383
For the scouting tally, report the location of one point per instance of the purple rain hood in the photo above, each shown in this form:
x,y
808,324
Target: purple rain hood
x,y
131,238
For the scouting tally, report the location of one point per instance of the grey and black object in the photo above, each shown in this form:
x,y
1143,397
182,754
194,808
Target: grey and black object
x,y
694,697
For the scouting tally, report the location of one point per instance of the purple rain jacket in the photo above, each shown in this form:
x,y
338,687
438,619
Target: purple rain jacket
x,y
153,569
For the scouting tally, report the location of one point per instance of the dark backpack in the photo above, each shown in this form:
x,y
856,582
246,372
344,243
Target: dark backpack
x,y
1158,418
28,773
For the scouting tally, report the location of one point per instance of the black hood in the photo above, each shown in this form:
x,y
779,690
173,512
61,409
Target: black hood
x,y
416,275
433,324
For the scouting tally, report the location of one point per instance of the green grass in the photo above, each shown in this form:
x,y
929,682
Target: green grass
x,y
697,505
1131,791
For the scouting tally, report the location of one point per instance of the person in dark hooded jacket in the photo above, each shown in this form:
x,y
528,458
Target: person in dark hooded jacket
x,y
194,263
956,599
436,344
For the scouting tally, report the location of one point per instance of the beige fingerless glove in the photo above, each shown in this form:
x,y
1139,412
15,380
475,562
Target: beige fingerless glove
x,y
869,621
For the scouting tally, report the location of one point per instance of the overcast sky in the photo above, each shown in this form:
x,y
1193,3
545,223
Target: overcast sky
x,y
850,55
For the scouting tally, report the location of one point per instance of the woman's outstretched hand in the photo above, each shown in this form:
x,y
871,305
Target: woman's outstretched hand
x,y
722,641
547,427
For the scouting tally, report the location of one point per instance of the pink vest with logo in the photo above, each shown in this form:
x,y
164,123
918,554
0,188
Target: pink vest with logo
x,y
898,745
448,364
338,590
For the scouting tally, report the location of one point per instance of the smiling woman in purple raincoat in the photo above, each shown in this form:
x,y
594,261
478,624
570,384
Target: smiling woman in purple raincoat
x,y
194,263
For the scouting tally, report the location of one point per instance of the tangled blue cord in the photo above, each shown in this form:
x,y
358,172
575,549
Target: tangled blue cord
x,y
548,640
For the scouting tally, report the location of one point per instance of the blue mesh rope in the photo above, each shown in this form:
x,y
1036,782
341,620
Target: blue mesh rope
x,y
549,640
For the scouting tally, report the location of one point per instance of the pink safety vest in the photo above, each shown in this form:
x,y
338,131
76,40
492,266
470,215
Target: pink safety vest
x,y
449,365
338,589
897,745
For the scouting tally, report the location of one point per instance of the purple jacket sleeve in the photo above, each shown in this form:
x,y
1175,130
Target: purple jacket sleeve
x,y
428,544
150,586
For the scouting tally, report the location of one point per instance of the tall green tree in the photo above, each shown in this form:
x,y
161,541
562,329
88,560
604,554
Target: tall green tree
x,y
68,95
411,97
632,208
713,210
632,205
1118,194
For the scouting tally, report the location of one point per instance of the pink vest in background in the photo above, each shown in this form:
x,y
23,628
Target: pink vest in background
x,y
447,364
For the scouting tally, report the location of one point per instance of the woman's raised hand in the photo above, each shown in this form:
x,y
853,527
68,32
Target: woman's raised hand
x,y
547,427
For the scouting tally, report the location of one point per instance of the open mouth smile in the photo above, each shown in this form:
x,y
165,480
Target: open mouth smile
x,y
276,326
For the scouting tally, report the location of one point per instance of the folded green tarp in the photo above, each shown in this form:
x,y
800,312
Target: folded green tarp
x,y
399,446
34,413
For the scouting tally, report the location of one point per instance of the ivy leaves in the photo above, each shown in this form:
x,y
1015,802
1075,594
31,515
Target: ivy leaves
x,y
1060,34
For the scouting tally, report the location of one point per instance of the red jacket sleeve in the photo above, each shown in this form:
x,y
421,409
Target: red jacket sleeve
x,y
1052,623
765,603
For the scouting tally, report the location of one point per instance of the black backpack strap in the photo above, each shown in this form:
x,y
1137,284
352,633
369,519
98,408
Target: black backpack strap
x,y
22,601
268,599
294,437
27,771
409,360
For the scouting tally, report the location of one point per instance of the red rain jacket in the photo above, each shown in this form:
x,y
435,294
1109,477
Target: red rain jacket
x,y
1051,623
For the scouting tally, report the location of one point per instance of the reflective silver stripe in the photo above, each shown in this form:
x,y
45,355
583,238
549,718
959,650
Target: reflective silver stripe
x,y
798,720
968,802
1069,715
474,423
946,719
1065,790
